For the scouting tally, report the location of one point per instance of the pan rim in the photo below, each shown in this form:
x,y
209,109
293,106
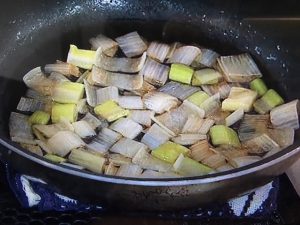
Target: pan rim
x,y
184,181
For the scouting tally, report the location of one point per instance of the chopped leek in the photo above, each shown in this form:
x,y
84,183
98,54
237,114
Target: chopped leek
x,y
68,92
189,167
81,58
169,151
206,76
259,86
267,102
110,111
127,127
181,73
55,158
222,135
239,98
198,98
127,147
39,117
63,111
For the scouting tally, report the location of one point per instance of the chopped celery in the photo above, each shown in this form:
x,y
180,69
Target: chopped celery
x,y
222,135
239,98
259,86
55,158
81,58
110,111
206,76
64,112
198,98
268,101
190,167
68,92
181,73
169,151
39,117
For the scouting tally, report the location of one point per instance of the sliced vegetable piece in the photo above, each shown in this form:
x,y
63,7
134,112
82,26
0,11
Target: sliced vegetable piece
x,y
82,107
211,105
68,92
155,73
107,93
63,142
147,161
172,49
39,117
128,147
214,161
142,117
32,105
36,80
268,101
157,175
35,149
239,98
19,129
198,98
81,57
181,73
169,151
92,120
260,145
286,115
66,69
120,80
185,55
178,90
131,44
239,68
107,45
224,168
146,87
91,94
252,126
284,137
83,129
244,161
223,88
208,58
158,51
206,76
159,102
192,125
55,158
129,170
111,169
131,102
90,161
125,65
259,86
155,137
110,111
222,135
234,117
201,151
206,125
51,129
118,159
127,127
188,139
188,167
64,111
191,109
104,140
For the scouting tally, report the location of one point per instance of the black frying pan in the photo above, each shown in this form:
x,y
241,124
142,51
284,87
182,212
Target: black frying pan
x,y
37,32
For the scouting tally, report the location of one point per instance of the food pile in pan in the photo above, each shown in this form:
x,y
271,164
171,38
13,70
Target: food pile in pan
x,y
155,110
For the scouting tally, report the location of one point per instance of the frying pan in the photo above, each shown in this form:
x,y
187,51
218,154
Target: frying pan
x,y
37,32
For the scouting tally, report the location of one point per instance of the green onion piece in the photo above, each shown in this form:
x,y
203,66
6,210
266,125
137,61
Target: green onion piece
x,y
68,92
64,112
110,111
268,101
206,76
39,117
198,98
181,73
81,58
189,167
222,135
89,160
55,158
259,86
169,151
